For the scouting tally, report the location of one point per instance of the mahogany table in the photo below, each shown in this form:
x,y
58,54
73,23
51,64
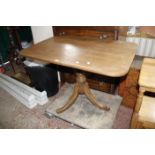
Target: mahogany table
x,y
86,54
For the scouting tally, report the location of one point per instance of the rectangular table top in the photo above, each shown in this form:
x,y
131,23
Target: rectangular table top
x,y
147,73
106,58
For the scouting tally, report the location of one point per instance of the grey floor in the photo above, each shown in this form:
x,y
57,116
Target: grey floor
x,y
137,62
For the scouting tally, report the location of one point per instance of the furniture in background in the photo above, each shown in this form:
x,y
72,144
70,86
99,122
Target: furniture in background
x,y
85,55
148,30
144,37
128,88
15,45
18,35
144,113
145,42
103,33
7,45
98,32
11,38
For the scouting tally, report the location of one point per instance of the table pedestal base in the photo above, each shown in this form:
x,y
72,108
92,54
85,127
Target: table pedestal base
x,y
81,87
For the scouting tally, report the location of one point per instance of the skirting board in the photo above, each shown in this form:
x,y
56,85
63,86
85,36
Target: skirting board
x,y
28,100
19,90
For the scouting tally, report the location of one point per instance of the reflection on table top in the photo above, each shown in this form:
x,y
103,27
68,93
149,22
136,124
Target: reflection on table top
x,y
106,58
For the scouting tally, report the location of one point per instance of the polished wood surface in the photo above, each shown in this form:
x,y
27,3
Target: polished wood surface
x,y
98,32
106,58
103,33
147,110
147,74
144,116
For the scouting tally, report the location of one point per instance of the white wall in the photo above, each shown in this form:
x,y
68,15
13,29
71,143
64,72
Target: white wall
x,y
146,46
41,33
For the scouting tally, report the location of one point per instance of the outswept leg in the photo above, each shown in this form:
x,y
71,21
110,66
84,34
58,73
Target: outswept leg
x,y
70,101
93,100
81,87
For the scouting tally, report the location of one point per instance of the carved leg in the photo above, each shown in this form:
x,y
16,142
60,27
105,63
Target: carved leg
x,y
70,101
81,87
92,98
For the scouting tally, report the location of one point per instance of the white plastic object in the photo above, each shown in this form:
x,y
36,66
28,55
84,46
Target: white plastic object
x,y
18,87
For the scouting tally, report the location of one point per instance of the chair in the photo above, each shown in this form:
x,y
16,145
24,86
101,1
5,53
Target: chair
x,y
144,113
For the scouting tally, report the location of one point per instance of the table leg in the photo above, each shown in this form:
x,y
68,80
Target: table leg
x,y
81,87
70,101
93,100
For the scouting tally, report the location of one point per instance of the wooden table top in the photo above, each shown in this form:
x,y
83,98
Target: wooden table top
x,y
147,73
106,58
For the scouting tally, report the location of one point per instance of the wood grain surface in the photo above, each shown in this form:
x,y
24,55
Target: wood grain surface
x,y
112,58
147,74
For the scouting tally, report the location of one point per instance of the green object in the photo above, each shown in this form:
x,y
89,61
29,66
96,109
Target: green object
x,y
25,33
4,43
